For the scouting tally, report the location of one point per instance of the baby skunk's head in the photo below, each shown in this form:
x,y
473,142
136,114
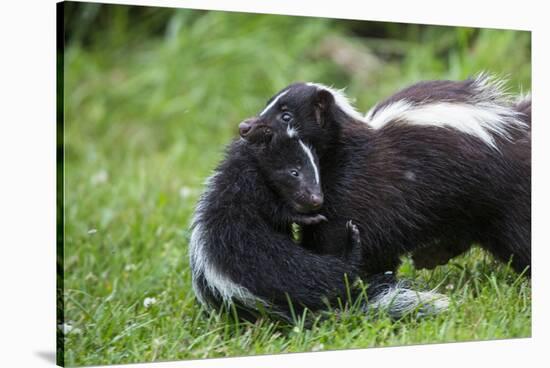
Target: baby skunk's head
x,y
309,111
289,165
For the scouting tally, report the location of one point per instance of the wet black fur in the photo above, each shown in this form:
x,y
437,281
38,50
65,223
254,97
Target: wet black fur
x,y
428,190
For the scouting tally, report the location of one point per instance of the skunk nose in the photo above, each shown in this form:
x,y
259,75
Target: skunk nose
x,y
244,128
316,201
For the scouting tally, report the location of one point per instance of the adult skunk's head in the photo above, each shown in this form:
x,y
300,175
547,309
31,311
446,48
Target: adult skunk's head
x,y
290,167
311,112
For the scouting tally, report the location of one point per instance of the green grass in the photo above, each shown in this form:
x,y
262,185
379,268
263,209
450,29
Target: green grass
x,y
147,121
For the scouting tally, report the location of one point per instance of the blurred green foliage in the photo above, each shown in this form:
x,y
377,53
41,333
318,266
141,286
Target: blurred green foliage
x,y
152,96
173,62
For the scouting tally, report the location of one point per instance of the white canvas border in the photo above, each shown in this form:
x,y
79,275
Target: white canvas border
x,y
28,182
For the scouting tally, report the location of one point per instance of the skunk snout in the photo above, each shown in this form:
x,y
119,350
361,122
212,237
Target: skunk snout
x,y
315,201
245,127
308,203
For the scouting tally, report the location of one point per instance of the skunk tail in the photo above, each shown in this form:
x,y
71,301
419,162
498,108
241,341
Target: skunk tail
x,y
386,294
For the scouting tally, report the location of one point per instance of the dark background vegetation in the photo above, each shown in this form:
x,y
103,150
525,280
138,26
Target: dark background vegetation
x,y
151,97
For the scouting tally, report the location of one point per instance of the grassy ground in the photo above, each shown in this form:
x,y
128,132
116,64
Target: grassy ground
x,y
146,122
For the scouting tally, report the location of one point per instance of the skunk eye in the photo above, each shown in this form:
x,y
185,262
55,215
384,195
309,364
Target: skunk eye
x,y
294,173
286,117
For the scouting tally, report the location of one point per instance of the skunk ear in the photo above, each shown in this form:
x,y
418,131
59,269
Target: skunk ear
x,y
324,100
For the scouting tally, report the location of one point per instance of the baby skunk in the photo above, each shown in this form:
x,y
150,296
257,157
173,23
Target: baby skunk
x,y
242,253
432,169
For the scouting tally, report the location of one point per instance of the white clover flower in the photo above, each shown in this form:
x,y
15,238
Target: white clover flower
x,y
66,328
148,302
90,277
185,192
92,231
130,267
99,177
318,347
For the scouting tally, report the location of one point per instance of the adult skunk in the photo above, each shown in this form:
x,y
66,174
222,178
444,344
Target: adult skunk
x,y
433,169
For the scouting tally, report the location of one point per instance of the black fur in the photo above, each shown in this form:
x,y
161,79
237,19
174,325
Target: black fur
x,y
241,236
428,190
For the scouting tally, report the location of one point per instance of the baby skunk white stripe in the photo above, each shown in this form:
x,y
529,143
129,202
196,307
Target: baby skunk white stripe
x,y
341,100
273,102
310,156
217,282
201,265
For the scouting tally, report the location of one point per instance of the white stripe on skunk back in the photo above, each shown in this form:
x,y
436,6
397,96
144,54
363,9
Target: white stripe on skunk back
x,y
341,100
488,113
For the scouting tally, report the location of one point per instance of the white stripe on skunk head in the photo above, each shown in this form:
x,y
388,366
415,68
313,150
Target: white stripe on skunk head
x,y
273,102
488,113
309,155
341,100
